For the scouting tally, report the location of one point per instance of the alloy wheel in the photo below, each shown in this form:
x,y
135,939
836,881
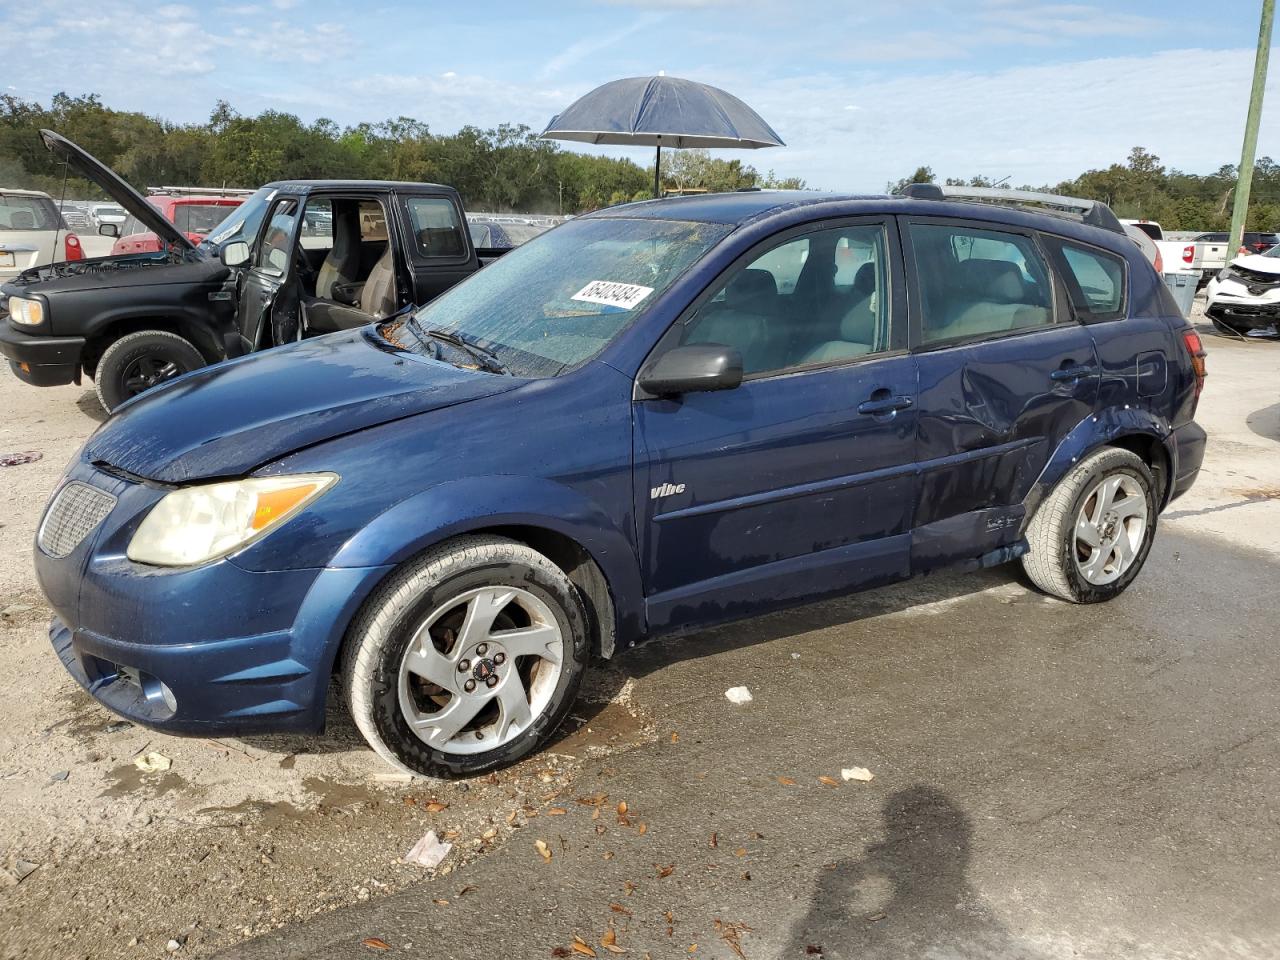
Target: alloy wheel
x,y
480,669
1110,528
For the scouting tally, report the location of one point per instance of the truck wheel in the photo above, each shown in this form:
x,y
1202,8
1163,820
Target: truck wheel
x,y
467,658
1091,535
139,361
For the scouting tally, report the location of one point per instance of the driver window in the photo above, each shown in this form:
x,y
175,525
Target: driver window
x,y
273,253
820,298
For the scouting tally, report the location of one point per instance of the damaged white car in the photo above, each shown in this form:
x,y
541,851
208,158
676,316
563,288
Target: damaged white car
x,y
1245,295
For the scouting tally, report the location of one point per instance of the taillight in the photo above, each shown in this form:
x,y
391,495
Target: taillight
x,y
1189,254
73,249
1191,340
1159,264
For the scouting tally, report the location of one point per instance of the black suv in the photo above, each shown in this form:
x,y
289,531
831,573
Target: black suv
x,y
295,259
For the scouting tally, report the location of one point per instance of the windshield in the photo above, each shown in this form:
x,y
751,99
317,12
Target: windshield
x,y
244,221
556,301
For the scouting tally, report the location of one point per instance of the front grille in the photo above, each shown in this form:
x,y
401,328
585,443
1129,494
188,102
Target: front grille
x,y
1256,277
75,512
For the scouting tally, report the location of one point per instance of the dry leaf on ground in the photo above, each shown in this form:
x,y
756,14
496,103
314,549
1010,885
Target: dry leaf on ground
x,y
829,781
542,848
582,947
435,806
786,781
376,943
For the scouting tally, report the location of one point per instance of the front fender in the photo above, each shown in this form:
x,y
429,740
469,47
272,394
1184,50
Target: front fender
x,y
1099,430
463,506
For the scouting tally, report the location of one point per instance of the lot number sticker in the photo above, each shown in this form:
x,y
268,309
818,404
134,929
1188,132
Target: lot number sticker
x,y
623,296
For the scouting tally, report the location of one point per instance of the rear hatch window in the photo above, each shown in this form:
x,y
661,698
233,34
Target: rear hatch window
x,y
27,213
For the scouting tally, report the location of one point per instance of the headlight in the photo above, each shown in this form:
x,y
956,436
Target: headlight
x,y
197,524
29,312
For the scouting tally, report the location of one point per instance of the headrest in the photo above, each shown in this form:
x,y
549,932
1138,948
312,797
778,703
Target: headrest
x,y
22,220
998,281
750,287
864,281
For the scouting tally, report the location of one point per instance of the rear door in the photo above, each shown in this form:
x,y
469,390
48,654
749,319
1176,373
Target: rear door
x,y
268,309
436,242
1006,372
799,482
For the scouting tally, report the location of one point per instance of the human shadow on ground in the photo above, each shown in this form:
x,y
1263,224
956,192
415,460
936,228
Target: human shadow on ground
x,y
909,896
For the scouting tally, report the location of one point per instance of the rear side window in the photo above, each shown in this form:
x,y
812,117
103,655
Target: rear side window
x,y
978,283
1098,290
434,224
27,213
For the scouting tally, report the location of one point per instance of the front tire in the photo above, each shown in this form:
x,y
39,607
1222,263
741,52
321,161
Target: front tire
x,y
467,659
1091,535
139,361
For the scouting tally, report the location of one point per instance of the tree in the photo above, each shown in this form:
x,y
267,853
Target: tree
x,y
922,175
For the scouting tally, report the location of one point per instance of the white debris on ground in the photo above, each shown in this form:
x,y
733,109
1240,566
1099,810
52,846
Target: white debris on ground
x,y
152,762
857,773
738,695
429,851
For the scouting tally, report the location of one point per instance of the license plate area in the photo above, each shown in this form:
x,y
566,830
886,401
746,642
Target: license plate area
x,y
6,259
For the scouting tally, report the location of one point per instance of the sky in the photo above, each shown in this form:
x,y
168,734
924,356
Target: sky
x,y
862,91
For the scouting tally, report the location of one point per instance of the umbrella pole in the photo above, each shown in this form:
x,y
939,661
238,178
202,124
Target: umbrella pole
x,y
657,174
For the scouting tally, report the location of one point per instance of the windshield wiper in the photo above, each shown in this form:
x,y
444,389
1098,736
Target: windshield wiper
x,y
487,359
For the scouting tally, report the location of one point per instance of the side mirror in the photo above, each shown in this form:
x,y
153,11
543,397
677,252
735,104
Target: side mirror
x,y
234,254
692,368
109,229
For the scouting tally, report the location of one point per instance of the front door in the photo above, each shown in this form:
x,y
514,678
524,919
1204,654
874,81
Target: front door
x,y
800,482
1006,372
267,313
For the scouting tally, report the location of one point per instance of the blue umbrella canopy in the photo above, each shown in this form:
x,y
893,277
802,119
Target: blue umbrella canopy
x,y
662,112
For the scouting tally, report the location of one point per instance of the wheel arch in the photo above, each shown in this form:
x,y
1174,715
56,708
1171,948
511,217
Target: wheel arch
x,y
1132,428
570,530
112,326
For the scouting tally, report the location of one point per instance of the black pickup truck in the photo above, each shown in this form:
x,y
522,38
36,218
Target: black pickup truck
x,y
296,259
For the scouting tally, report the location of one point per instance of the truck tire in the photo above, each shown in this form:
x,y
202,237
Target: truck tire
x,y
467,658
139,361
1091,535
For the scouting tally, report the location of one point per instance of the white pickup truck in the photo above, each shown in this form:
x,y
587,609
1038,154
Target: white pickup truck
x,y
1177,256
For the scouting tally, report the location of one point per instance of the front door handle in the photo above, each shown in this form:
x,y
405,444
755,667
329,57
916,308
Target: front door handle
x,y
878,406
1073,373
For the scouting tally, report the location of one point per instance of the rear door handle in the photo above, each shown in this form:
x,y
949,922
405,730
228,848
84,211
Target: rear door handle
x,y
1073,373
881,406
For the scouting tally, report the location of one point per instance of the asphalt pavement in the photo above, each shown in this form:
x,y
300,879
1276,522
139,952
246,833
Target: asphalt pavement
x,y
1050,781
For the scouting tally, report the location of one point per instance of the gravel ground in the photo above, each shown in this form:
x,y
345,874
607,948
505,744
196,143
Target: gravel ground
x,y
243,837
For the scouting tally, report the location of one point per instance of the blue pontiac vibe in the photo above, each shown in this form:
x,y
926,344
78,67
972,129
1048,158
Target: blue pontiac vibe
x,y
650,419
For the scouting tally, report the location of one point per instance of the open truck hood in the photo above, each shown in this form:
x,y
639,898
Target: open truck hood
x,y
93,169
228,419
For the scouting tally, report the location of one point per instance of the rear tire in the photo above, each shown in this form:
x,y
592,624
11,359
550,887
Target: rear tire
x,y
467,658
1091,535
138,361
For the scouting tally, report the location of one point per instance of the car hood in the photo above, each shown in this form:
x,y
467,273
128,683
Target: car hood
x,y
226,420
1258,263
93,169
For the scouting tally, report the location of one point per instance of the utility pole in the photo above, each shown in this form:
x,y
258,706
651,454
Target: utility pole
x,y
1244,176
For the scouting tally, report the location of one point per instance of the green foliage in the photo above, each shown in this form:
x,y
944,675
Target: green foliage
x,y
1143,188
922,175
504,169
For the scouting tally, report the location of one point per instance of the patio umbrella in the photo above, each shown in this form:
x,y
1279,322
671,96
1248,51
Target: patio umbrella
x,y
662,112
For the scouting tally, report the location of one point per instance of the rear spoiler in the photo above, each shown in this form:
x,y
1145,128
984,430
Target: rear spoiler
x,y
1095,213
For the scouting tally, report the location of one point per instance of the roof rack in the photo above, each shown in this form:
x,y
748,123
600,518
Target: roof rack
x,y
1093,212
197,192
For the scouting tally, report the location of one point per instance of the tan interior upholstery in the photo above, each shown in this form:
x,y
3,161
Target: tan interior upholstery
x,y
378,299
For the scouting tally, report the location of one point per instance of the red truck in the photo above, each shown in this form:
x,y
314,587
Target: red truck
x,y
192,210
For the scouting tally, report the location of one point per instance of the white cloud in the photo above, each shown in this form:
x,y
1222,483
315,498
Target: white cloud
x,y
591,45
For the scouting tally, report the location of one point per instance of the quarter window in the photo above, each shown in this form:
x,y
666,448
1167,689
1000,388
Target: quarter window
x,y
436,229
978,283
820,298
1099,278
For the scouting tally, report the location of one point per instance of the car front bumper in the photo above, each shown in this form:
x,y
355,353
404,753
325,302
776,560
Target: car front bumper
x,y
41,361
1230,302
209,650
